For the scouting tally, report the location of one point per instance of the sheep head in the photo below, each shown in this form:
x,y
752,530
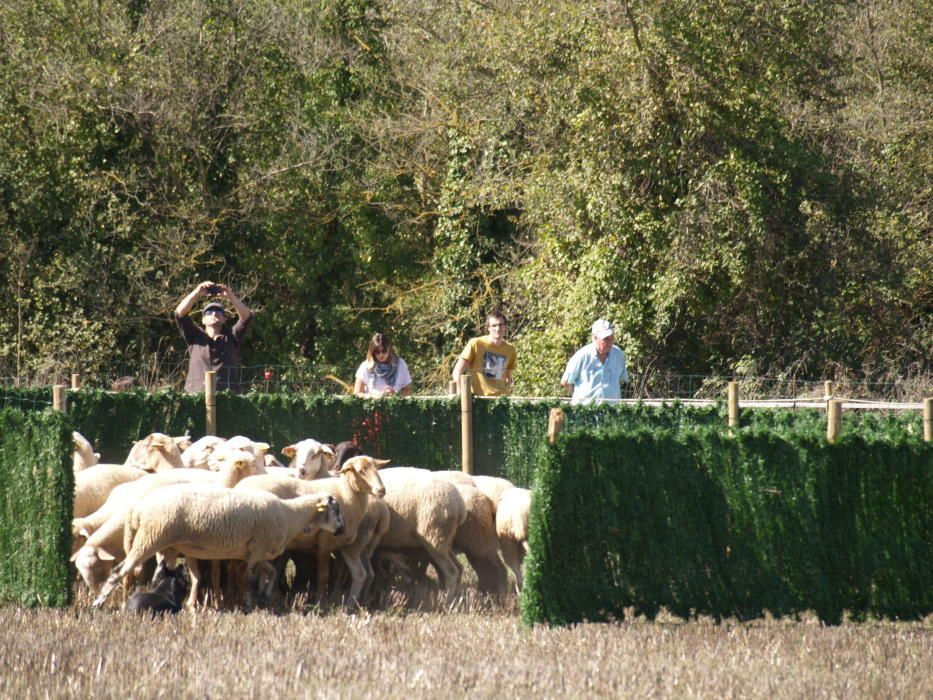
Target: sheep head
x,y
310,459
362,473
329,517
235,464
257,449
154,453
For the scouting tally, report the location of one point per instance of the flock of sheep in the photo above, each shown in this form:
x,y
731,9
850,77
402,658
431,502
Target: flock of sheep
x,y
351,526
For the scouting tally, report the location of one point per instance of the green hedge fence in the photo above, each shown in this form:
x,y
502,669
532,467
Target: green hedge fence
x,y
36,497
701,523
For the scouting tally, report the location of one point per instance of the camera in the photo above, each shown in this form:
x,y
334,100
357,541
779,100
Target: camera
x,y
213,290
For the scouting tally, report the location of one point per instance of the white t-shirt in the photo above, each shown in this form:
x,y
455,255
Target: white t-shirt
x,y
377,385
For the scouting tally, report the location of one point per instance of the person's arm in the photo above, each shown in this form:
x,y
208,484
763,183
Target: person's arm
x,y
242,310
359,388
459,369
404,378
185,305
570,376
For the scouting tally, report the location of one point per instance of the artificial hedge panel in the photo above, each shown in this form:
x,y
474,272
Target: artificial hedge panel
x,y
36,500
701,523
113,421
416,432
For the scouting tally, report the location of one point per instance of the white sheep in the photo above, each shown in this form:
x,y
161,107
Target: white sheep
x,y
240,442
424,516
476,537
219,524
94,484
198,454
358,480
99,537
512,527
84,454
492,487
310,458
155,453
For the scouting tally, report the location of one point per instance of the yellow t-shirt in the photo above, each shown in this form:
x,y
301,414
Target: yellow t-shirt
x,y
488,365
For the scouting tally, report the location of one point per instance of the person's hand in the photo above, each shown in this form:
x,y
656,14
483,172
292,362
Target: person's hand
x,y
388,391
204,287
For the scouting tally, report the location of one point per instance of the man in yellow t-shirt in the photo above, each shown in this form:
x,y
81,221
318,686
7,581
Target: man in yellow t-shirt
x,y
490,360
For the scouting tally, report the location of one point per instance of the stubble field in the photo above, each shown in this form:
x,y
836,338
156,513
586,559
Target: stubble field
x,y
476,650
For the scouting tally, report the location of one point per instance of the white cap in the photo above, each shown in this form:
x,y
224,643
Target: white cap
x,y
602,329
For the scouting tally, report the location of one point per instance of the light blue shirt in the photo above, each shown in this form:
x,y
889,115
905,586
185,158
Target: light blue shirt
x,y
594,380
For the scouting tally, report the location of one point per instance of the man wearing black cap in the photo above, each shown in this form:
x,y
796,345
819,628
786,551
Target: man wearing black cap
x,y
214,347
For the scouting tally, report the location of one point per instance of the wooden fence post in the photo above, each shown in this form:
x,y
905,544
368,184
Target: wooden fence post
x,y
833,419
555,424
827,390
210,402
466,422
452,388
75,381
58,397
733,405
928,420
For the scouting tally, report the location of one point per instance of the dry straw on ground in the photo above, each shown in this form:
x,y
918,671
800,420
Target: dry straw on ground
x,y
481,651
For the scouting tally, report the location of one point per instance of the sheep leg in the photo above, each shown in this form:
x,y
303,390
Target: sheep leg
x,y
194,569
490,573
115,577
357,573
514,554
323,572
447,566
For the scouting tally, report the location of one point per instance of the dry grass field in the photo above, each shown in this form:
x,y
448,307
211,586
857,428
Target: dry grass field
x,y
476,650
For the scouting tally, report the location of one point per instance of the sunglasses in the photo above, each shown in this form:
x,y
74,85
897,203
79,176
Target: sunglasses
x,y
381,351
219,312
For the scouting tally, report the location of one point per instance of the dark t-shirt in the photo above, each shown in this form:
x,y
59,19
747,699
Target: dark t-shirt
x,y
220,354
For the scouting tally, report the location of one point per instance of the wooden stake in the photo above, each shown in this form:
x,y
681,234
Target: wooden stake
x,y
833,419
210,403
555,424
58,397
452,388
466,422
75,382
827,390
928,420
733,405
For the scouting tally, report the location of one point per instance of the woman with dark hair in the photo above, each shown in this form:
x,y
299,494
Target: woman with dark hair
x,y
383,373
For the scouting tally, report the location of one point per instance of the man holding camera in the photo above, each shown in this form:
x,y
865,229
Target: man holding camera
x,y
215,347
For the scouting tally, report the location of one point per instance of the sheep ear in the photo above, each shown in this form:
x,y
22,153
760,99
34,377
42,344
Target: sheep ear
x,y
380,463
328,450
104,555
263,447
290,451
84,533
97,454
75,555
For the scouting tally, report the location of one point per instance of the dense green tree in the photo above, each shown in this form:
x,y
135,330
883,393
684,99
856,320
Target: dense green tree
x,y
740,186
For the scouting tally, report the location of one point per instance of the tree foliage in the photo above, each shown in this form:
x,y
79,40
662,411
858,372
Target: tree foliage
x,y
734,184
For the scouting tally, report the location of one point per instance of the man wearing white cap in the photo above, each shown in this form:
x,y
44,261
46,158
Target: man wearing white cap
x,y
595,370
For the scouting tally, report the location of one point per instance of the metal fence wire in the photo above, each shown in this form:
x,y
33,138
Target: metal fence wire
x,y
276,379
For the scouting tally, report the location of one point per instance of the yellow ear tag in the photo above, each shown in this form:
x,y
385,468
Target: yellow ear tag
x,y
321,507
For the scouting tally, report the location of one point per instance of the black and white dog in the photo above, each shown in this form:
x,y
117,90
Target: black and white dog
x,y
169,588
